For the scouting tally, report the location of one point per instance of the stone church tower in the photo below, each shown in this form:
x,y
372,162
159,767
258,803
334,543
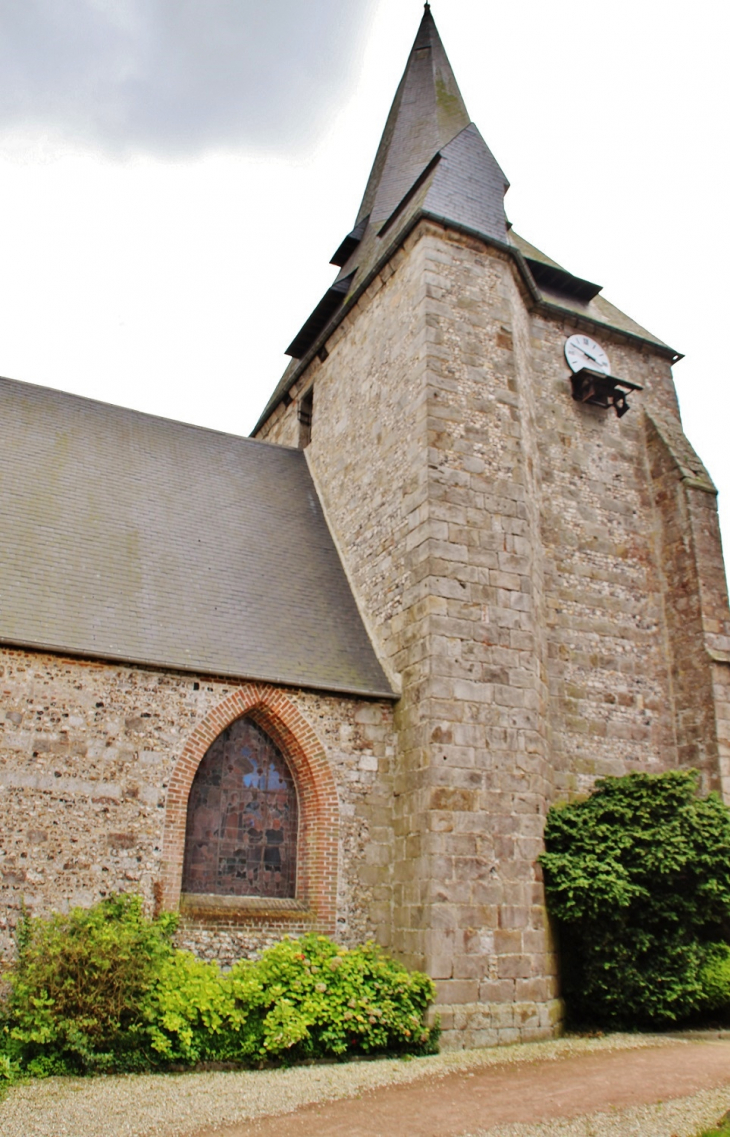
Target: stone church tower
x,y
332,677
541,571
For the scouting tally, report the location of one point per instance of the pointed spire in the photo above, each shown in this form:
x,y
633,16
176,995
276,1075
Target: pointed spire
x,y
427,113
431,162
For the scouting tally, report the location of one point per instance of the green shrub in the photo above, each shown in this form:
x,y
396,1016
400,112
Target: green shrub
x,y
318,999
305,998
638,879
9,1071
103,989
715,977
78,987
195,1014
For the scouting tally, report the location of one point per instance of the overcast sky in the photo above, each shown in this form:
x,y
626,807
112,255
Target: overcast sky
x,y
175,175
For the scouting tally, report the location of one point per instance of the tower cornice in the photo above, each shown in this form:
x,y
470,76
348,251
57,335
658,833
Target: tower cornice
x,y
538,302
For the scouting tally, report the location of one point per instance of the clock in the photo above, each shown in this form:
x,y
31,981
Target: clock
x,y
582,351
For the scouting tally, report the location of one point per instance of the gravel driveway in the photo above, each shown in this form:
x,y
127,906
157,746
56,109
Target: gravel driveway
x,y
184,1105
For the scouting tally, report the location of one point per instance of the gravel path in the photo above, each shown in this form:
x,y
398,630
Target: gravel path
x,y
185,1104
684,1117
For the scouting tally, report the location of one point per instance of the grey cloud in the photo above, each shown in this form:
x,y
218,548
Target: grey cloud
x,y
176,75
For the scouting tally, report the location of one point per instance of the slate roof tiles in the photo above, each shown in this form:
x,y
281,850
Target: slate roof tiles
x,y
135,538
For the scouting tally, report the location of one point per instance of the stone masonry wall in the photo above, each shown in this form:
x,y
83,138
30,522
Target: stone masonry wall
x,y
283,425
628,581
417,450
690,664
508,548
368,458
611,700
487,692
86,754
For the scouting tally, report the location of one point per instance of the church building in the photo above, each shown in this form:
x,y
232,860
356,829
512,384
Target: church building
x,y
332,677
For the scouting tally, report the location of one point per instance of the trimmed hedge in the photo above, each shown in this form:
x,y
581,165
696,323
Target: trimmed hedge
x,y
104,989
637,877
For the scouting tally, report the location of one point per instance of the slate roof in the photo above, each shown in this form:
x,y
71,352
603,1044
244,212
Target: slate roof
x,y
431,159
427,112
599,309
134,538
433,162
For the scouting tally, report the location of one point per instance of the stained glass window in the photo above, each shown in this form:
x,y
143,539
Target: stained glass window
x,y
241,834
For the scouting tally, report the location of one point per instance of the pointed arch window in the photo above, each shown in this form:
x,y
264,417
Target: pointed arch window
x,y
242,819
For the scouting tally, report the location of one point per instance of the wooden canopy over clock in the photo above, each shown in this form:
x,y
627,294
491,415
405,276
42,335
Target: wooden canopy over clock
x,y
591,380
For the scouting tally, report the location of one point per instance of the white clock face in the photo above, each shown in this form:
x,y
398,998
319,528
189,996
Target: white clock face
x,y
582,351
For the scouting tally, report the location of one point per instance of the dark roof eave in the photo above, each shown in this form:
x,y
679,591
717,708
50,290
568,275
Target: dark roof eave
x,y
191,669
320,317
547,306
559,280
348,245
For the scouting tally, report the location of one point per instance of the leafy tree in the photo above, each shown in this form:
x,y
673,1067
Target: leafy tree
x,y
638,879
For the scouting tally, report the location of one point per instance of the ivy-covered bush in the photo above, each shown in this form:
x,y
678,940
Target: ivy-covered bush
x,y
637,877
104,989
715,977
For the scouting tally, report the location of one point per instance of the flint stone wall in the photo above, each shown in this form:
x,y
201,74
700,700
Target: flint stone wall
x,y
86,754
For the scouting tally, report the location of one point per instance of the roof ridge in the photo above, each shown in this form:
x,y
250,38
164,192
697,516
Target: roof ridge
x,y
150,415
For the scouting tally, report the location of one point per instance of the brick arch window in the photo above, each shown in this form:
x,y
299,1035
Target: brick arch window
x,y
242,818
283,727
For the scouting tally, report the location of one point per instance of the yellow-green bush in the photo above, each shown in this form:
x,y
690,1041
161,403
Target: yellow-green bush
x,y
77,990
104,989
195,1014
318,999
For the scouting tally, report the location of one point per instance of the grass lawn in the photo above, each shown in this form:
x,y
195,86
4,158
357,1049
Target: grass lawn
x,y
722,1130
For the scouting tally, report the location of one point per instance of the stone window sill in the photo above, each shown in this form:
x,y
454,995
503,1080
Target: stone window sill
x,y
209,905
